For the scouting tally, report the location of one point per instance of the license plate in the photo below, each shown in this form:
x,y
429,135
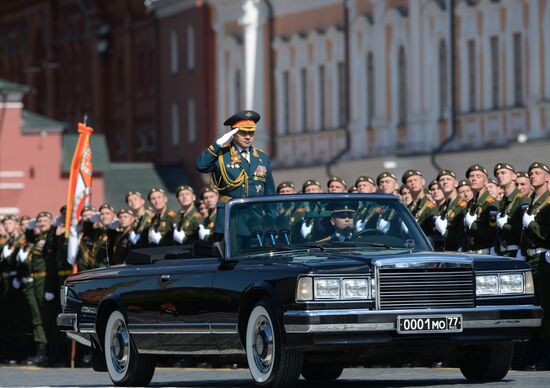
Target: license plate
x,y
429,324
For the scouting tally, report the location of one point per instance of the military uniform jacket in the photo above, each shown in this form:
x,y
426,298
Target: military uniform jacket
x,y
209,223
513,205
164,224
454,212
424,211
537,235
64,269
121,245
9,264
483,231
41,261
189,223
234,176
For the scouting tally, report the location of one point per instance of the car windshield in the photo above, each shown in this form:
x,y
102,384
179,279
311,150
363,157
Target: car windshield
x,y
295,222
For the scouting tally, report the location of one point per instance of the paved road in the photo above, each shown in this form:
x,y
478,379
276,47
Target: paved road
x,y
386,377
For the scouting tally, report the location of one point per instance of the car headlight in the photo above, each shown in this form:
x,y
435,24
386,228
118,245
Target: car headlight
x,y
487,285
529,284
304,290
326,288
510,283
355,288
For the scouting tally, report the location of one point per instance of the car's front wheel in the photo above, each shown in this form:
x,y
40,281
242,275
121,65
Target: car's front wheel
x,y
269,362
125,366
487,363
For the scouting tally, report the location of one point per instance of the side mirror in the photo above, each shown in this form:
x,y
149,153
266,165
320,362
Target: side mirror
x,y
218,250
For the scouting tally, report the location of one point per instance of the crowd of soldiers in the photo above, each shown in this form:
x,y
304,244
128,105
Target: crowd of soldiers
x,y
508,215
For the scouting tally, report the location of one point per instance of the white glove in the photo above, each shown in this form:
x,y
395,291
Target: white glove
x,y
469,220
16,284
547,257
226,138
48,296
115,224
179,236
154,236
32,224
383,225
404,228
493,251
305,230
441,225
527,219
360,225
501,221
519,255
95,218
22,255
6,252
460,249
58,221
134,237
204,233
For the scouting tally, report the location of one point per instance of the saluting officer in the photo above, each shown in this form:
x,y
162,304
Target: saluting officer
x,y
450,220
422,208
535,245
480,218
510,211
186,228
238,169
161,228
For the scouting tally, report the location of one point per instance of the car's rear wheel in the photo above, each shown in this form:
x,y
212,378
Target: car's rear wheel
x,y
487,363
269,363
321,372
125,366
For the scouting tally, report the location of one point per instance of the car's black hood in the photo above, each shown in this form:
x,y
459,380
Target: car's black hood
x,y
364,261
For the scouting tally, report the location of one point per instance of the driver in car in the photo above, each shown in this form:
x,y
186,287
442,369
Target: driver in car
x,y
343,220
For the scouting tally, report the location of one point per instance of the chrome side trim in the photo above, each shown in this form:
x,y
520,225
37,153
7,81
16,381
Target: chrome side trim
x,y
477,324
87,328
88,310
80,339
182,328
192,352
425,263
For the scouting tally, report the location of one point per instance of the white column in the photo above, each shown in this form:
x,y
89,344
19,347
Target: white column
x,y
254,64
380,120
534,58
220,72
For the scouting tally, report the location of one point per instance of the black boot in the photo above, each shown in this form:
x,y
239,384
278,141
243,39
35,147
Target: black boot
x,y
40,359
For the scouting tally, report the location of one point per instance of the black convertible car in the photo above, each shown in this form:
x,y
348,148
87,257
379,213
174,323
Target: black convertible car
x,y
304,284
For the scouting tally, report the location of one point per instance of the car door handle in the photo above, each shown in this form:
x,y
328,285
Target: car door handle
x,y
165,278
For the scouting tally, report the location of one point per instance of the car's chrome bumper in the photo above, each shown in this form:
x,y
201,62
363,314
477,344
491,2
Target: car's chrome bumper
x,y
364,320
67,322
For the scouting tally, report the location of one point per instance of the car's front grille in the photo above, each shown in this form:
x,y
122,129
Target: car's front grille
x,y
407,288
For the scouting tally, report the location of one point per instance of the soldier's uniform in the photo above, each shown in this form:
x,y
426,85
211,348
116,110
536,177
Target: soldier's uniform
x,y
162,223
423,209
189,221
453,211
237,173
512,207
480,237
120,239
535,244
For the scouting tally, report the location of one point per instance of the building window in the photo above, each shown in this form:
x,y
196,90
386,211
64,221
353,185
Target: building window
x,y
472,75
286,102
370,89
402,82
494,72
443,79
190,47
303,84
237,90
341,95
175,124
174,60
518,71
191,121
322,106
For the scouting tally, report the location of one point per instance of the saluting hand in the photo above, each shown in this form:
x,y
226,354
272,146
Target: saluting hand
x,y
226,137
